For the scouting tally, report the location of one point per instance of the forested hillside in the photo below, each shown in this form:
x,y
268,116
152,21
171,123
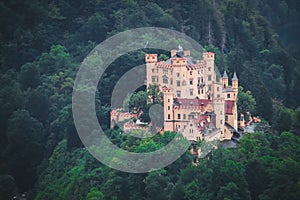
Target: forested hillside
x,y
42,44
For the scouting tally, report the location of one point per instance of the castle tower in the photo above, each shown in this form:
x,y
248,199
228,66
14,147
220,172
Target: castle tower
x,y
235,81
210,76
151,70
235,85
209,58
225,79
168,109
219,109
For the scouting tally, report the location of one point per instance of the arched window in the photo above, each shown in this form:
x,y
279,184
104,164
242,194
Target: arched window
x,y
165,79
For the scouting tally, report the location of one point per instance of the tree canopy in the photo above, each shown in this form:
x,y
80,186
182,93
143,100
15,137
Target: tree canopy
x,y
42,44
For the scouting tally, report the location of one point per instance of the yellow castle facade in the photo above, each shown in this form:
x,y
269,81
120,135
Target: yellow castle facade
x,y
196,103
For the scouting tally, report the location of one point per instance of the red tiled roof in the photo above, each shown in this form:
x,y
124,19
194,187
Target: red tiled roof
x,y
185,103
203,119
229,105
124,114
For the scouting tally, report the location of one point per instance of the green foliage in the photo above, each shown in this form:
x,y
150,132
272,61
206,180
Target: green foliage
x,y
29,76
95,194
296,119
24,135
7,187
155,96
41,47
158,185
138,102
283,120
246,102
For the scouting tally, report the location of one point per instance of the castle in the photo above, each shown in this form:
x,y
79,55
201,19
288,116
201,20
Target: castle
x,y
196,102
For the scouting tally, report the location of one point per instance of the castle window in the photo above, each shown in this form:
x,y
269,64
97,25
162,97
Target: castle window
x,y
154,78
178,74
171,81
202,91
209,69
178,93
178,83
226,118
209,78
169,108
154,70
218,89
201,79
178,116
191,92
218,96
191,72
209,88
169,116
221,122
168,100
228,95
198,91
191,81
184,116
165,80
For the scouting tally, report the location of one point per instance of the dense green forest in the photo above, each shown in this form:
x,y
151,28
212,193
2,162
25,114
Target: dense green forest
x,y
42,44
